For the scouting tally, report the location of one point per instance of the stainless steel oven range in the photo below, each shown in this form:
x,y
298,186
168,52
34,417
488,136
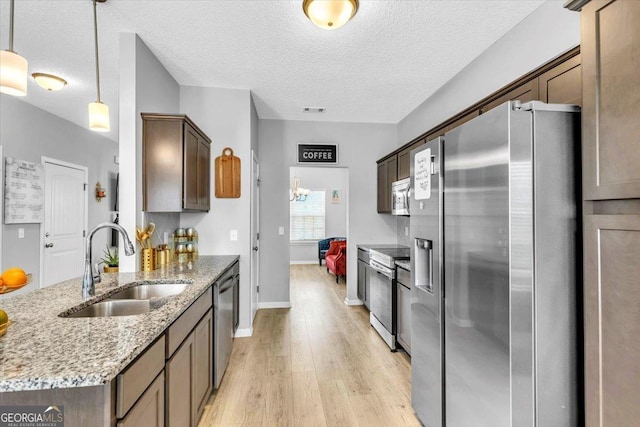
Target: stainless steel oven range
x,y
382,283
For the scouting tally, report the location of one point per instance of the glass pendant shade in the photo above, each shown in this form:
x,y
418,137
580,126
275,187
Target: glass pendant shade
x,y
330,14
49,81
99,117
13,73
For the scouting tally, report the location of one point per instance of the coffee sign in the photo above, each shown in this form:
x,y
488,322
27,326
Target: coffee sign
x,y
318,153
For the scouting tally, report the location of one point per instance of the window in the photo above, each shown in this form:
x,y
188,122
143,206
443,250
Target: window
x,y
306,219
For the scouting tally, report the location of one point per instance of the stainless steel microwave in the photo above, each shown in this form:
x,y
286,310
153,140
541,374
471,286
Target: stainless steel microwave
x,y
400,197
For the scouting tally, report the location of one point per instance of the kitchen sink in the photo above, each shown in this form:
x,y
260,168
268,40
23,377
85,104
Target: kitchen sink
x,y
147,292
114,308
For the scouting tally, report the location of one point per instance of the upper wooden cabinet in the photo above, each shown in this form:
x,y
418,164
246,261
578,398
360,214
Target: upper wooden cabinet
x,y
526,92
387,173
404,159
176,159
611,98
562,84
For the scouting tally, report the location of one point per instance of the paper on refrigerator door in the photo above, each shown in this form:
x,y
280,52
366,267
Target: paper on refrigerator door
x,y
422,175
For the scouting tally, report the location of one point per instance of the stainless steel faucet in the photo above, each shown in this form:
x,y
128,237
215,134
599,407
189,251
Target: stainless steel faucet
x,y
90,279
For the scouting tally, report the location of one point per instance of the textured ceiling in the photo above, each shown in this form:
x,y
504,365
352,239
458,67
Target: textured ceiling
x,y
377,68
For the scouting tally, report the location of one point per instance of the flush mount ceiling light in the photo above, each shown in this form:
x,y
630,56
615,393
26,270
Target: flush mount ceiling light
x,y
49,81
98,111
330,14
13,67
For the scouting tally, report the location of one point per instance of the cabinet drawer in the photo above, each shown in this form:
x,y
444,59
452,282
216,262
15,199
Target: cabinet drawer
x,y
182,327
136,378
149,411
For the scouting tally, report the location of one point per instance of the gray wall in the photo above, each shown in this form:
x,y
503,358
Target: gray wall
x,y
145,86
360,145
27,133
328,179
225,116
541,36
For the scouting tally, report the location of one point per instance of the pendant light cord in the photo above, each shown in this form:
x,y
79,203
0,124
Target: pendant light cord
x,y
95,32
11,27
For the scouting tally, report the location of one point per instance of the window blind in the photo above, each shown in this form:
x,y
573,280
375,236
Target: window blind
x,y
307,219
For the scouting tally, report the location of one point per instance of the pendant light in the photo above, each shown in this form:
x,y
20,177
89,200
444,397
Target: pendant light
x,y
13,67
98,111
330,14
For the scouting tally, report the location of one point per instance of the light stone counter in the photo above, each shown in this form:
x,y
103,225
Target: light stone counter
x,y
42,350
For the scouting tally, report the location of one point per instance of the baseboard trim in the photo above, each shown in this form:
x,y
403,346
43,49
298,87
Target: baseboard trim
x,y
315,261
241,333
353,301
276,304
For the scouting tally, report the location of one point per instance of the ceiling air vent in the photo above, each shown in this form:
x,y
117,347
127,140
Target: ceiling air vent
x,y
313,110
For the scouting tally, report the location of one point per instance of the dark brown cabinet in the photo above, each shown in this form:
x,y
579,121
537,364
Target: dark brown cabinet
x,y
612,320
562,84
176,159
526,92
611,97
404,159
387,173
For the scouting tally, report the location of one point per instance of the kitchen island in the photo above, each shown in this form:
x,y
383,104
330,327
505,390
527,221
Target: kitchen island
x,y
44,357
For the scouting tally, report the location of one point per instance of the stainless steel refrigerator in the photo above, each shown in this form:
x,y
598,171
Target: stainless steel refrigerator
x,y
494,232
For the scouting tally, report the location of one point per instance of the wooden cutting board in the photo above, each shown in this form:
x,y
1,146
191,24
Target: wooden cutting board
x,y
227,175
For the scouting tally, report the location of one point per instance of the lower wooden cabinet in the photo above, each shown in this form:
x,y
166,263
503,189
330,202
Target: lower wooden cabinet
x,y
189,376
149,409
612,320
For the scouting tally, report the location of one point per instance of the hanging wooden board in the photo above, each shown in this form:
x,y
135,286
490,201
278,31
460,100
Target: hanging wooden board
x,y
227,175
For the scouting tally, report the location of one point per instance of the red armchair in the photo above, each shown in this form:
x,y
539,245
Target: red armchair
x,y
336,258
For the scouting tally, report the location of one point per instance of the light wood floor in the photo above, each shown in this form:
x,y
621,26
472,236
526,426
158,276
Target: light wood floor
x,y
318,363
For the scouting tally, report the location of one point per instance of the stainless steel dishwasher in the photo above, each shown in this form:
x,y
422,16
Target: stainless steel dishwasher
x,y
223,322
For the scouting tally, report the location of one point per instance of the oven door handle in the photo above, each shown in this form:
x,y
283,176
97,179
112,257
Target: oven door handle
x,y
381,269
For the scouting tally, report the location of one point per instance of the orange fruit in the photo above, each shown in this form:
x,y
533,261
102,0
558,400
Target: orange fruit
x,y
14,278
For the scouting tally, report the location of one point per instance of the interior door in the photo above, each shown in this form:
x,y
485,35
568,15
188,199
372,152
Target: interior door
x,y
255,233
64,223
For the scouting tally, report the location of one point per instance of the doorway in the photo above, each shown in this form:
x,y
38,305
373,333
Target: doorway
x,y
65,221
319,214
255,233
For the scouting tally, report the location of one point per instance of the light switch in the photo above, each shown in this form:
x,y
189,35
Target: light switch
x,y
20,233
406,231
281,230
234,235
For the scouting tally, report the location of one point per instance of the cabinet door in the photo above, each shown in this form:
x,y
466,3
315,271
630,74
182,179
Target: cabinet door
x,y
404,159
403,310
149,409
203,372
562,84
204,162
526,92
180,387
611,96
362,282
464,119
612,320
190,178
382,186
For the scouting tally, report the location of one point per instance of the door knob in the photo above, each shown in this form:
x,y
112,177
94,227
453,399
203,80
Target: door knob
x,y
46,234
255,248
48,245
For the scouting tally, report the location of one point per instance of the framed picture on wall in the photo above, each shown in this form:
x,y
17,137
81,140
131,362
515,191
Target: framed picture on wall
x,y
336,197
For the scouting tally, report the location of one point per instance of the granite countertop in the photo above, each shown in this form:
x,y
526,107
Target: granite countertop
x,y
43,351
406,264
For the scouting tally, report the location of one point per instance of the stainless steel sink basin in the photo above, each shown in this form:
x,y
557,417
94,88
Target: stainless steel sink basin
x,y
146,292
113,308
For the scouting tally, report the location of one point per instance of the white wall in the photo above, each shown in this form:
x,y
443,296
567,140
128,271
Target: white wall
x,y
360,145
225,115
549,31
327,179
145,86
27,133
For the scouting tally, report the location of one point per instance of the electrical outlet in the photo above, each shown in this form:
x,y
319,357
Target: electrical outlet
x,y
20,233
406,231
281,230
234,235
